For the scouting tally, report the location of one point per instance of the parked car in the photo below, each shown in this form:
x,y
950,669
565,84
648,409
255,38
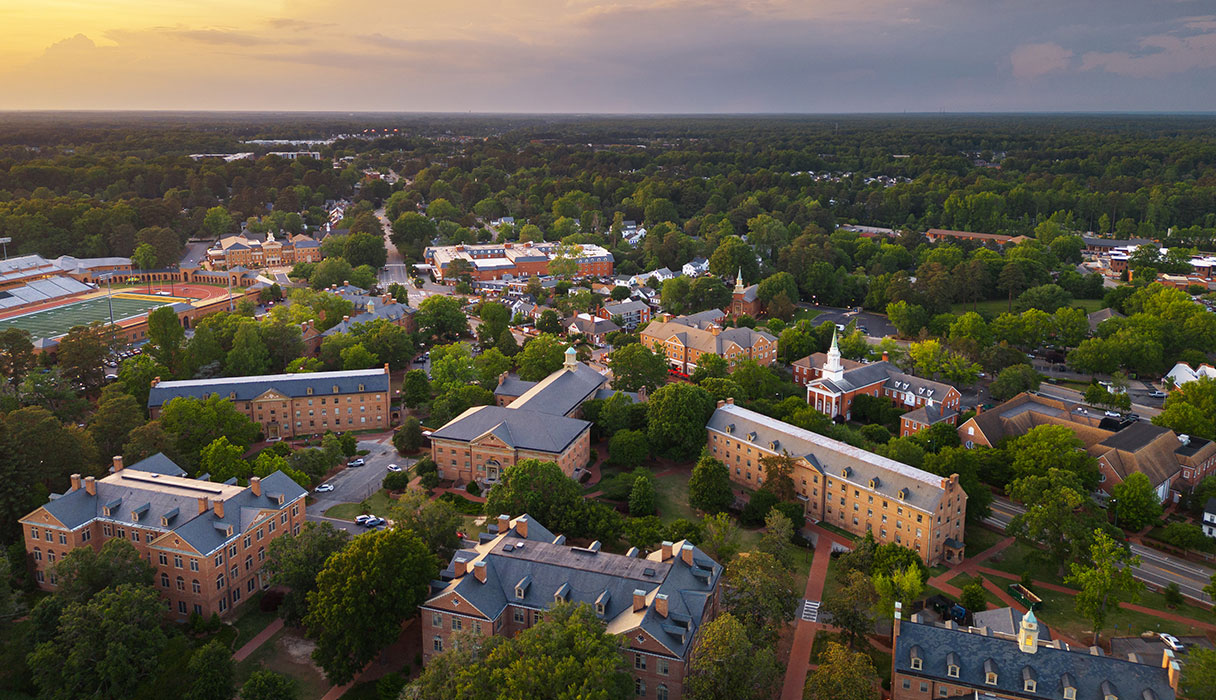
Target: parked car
x,y
358,462
362,519
324,488
374,522
394,468
1171,641
1113,414
1158,394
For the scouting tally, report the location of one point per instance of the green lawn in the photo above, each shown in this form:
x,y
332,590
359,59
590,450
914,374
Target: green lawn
x,y
1019,558
979,538
671,496
284,653
964,580
1058,613
996,307
251,620
804,314
881,660
378,504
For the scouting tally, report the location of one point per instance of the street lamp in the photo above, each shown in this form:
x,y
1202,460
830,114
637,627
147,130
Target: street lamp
x,y
109,290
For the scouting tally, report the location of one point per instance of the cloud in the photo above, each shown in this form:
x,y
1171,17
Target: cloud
x,y
1160,55
1031,61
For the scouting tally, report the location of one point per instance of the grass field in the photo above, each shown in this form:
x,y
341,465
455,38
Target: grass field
x,y
55,322
996,307
378,504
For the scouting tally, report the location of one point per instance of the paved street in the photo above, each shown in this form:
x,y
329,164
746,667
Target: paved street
x,y
1141,403
353,484
878,326
1156,568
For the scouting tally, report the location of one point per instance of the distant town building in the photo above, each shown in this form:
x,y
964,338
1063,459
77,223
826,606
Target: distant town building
x,y
683,340
695,267
657,603
846,486
1209,518
245,251
206,541
744,300
289,405
633,313
1182,373
594,328
492,261
936,235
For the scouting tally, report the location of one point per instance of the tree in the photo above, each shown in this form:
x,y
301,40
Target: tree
x,y
709,486
727,664
436,523
506,343
16,353
641,496
203,349
217,221
211,672
902,585
144,257
166,337
1136,502
541,356
1199,674
629,448
196,423
759,593
841,675
1057,515
568,654
415,388
541,490
363,594
365,248
720,537
1185,536
850,607
105,647
358,357
284,342
82,353
268,685
116,416
676,417
1190,409
1014,380
549,322
295,561
441,317
778,537
1047,447
248,356
711,366
634,366
974,597
1098,395
1106,581
491,364
778,475
408,438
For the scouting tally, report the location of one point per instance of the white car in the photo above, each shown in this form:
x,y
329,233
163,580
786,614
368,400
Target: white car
x,y
1171,641
1113,414
362,519
323,488
394,468
1158,394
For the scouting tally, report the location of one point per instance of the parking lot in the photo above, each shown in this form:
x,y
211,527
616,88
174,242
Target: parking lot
x,y
353,484
1149,649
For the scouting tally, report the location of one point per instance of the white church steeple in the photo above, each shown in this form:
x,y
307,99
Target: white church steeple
x,y
833,369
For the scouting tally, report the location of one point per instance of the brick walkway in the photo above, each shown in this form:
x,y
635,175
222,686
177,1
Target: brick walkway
x,y
804,634
258,640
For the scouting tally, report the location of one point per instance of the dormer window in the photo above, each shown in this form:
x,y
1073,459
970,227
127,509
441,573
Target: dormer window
x,y
599,609
308,391
232,395
1029,686
335,388
917,664
519,593
952,671
990,678
874,483
360,388
1070,693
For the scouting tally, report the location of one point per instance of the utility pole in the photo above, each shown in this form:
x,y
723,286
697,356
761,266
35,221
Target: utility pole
x,y
5,241
109,300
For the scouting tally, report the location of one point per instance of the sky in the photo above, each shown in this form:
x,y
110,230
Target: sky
x,y
623,56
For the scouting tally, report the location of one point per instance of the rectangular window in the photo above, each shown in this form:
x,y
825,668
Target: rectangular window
x,y
436,620
164,560
193,565
33,533
457,624
639,662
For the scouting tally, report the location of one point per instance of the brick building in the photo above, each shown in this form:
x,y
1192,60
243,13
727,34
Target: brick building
x,y
493,261
684,339
845,486
633,313
288,405
1122,447
933,661
744,300
206,541
656,602
832,383
244,251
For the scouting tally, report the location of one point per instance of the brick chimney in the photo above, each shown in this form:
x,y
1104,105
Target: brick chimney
x,y
730,400
639,599
75,483
886,356
979,408
1173,671
90,485
521,525
721,403
686,553
714,329
460,567
504,523
641,393
665,551
154,382
255,485
660,603
386,370
203,504
117,463
479,571
345,318
219,508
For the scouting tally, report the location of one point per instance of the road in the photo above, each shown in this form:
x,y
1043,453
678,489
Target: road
x,y
1156,568
353,484
1138,395
877,325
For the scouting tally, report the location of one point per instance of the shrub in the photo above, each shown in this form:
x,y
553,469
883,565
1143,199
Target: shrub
x,y
396,481
461,504
473,488
761,503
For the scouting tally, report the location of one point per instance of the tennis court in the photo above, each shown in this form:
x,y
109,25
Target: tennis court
x,y
52,323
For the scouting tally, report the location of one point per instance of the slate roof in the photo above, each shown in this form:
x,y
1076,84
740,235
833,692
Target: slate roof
x,y
591,325
1097,317
512,385
861,375
924,490
291,385
929,415
625,308
561,392
704,340
1114,242
158,464
520,428
169,503
1210,506
1049,666
749,293
391,312
541,566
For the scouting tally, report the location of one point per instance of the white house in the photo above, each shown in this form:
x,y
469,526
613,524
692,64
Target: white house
x,y
695,267
1182,373
1209,518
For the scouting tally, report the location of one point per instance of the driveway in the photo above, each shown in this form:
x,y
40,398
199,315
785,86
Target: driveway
x,y
353,484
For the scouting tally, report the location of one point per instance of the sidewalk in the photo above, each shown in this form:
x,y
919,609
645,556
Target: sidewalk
x,y
258,640
804,634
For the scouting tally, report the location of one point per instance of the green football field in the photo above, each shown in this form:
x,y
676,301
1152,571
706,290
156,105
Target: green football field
x,y
55,322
